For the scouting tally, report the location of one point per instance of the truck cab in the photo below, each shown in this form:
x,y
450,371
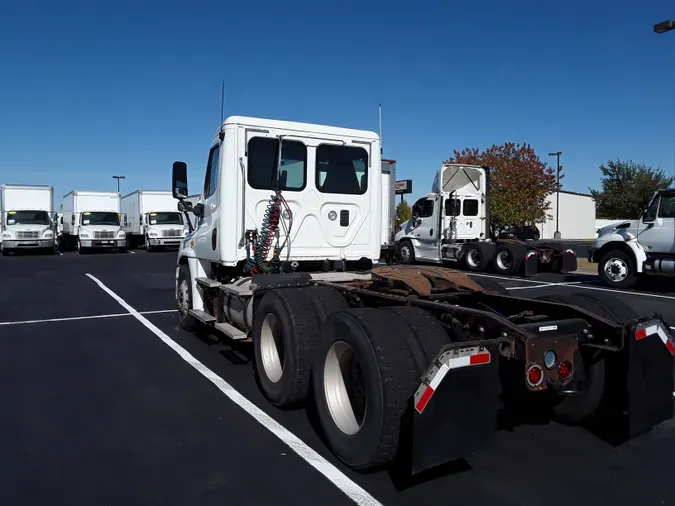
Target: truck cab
x,y
628,250
26,218
454,213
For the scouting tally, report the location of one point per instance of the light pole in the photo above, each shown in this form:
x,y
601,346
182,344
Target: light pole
x,y
557,154
663,27
118,182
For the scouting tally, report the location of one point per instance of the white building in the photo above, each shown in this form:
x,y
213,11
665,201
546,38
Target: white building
x,y
577,217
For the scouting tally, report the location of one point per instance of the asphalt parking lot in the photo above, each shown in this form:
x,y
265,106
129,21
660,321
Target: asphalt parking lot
x,y
105,400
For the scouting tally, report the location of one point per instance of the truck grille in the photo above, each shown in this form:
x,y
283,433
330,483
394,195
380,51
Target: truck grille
x,y
104,235
27,235
172,233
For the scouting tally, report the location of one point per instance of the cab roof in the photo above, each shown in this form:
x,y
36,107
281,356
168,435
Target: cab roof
x,y
300,127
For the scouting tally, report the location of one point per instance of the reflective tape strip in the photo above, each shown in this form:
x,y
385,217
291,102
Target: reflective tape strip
x,y
427,389
658,329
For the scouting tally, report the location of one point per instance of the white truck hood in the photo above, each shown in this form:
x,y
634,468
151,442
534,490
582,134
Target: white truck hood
x,y
26,228
609,229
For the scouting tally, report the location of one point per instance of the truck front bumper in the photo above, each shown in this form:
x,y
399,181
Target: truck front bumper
x,y
103,243
12,244
166,241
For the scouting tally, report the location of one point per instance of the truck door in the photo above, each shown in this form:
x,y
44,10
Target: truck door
x,y
426,235
471,218
206,240
657,225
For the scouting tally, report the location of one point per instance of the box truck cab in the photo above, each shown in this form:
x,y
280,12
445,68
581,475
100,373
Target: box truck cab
x,y
153,219
27,220
92,220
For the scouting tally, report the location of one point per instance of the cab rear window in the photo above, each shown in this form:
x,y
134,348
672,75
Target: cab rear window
x,y
341,169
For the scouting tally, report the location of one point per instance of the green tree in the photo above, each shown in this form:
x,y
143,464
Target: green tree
x,y
403,213
519,182
626,188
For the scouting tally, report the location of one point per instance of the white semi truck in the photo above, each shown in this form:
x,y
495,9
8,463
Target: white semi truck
x,y
27,218
92,220
452,225
153,219
400,357
629,250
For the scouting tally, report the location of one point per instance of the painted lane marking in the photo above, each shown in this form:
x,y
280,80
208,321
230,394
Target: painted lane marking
x,y
91,317
333,474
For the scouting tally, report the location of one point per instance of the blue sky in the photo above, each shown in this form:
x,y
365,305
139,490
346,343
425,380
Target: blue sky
x,y
90,88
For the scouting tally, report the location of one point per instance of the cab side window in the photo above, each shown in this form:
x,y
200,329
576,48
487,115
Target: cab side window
x,y
650,214
667,208
423,208
212,172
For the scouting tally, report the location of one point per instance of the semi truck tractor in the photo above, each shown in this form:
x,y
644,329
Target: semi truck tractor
x,y
628,251
92,220
285,257
152,219
451,225
27,218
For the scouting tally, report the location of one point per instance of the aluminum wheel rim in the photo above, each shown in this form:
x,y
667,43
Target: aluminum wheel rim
x,y
473,258
616,270
343,387
504,261
271,348
405,252
182,298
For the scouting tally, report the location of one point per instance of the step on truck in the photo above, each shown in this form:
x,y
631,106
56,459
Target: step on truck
x,y
152,219
91,221
451,225
27,218
627,251
405,365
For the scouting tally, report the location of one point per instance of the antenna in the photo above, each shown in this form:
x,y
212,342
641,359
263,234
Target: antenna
x,y
221,134
380,113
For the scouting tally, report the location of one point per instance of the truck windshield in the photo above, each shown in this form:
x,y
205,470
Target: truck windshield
x,y
100,218
27,218
167,218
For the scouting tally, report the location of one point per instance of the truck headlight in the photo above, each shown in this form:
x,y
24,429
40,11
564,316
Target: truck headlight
x,y
121,234
6,235
48,234
84,235
153,234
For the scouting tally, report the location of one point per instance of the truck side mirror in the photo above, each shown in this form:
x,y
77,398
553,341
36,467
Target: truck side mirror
x,y
185,206
198,210
179,182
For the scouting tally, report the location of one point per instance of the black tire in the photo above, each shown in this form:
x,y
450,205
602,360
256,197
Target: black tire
x,y
476,257
390,378
621,260
122,250
508,259
325,301
5,252
409,257
284,319
576,408
490,285
429,335
187,322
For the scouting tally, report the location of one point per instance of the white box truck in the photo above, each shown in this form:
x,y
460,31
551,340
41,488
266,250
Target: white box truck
x,y
153,219
27,220
92,220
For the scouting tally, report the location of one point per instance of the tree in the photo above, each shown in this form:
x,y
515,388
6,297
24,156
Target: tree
x,y
626,188
403,213
519,182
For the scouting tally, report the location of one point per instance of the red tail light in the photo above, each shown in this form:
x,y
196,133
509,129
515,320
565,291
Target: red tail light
x,y
565,370
535,375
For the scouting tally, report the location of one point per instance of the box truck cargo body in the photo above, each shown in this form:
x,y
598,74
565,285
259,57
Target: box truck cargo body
x,y
153,219
27,221
92,220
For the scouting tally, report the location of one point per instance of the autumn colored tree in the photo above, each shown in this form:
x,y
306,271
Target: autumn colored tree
x,y
519,182
626,189
403,213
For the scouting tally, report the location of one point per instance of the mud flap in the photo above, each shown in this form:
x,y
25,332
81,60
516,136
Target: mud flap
x,y
454,412
568,261
531,264
645,371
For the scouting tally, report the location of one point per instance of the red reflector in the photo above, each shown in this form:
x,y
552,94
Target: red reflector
x,y
640,334
534,375
670,346
424,400
480,358
565,370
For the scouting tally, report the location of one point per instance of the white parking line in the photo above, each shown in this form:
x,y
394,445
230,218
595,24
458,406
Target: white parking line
x,y
340,480
91,317
580,284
